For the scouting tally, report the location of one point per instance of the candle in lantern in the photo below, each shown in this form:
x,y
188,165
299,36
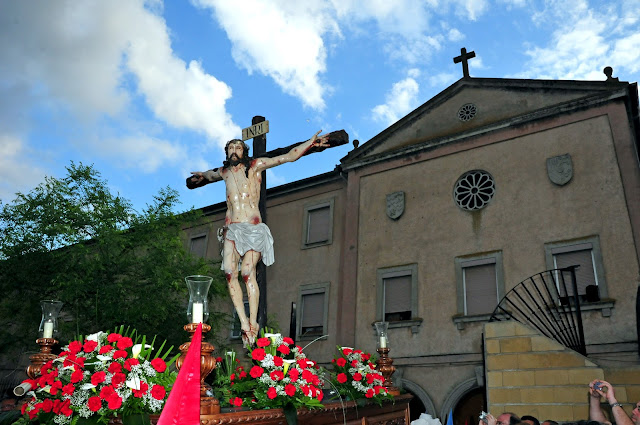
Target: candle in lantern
x,y
383,342
197,313
48,330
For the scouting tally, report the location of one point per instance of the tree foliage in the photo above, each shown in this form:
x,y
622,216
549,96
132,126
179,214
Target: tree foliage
x,y
72,240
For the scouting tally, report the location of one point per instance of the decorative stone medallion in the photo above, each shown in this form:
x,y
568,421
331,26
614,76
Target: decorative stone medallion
x,y
395,205
560,169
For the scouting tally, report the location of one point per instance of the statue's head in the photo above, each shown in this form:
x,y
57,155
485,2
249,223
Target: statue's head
x,y
238,148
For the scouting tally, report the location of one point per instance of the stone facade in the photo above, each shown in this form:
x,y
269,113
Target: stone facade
x,y
518,126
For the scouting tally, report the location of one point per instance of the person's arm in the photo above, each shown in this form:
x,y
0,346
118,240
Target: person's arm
x,y
595,410
606,390
294,154
201,178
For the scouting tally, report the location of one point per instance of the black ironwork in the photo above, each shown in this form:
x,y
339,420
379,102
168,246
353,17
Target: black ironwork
x,y
549,302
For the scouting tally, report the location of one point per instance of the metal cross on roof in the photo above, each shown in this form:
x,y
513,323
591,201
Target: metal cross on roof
x,y
464,58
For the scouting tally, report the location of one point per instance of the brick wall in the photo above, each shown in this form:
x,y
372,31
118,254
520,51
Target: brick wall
x,y
530,374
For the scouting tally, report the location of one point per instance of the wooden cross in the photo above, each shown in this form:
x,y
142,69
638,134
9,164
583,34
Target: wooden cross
x,y
464,58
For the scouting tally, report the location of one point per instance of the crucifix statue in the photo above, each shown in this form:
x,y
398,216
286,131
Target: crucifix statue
x,y
246,238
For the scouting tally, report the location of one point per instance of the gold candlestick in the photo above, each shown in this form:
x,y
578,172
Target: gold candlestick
x,y
38,359
386,368
209,405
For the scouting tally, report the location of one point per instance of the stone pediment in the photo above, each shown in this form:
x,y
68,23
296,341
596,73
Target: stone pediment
x,y
475,105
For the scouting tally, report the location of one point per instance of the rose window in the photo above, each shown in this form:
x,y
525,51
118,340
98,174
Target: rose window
x,y
474,190
467,112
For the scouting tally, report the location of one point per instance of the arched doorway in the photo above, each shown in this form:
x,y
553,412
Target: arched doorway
x,y
421,402
466,401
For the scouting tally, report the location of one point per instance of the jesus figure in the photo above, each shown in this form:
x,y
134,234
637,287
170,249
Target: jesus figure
x,y
246,237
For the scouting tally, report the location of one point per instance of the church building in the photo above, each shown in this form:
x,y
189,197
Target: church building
x,y
431,222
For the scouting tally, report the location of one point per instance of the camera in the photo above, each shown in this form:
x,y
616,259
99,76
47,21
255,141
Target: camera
x,y
483,417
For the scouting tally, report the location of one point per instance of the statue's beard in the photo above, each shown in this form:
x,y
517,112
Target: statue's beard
x,y
234,160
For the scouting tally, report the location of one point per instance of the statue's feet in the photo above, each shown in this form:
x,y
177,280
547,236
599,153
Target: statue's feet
x,y
250,335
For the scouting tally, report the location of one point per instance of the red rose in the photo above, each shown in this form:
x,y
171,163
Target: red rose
x,y
158,392
65,408
68,389
105,349
89,346
354,363
347,351
357,376
287,340
366,357
113,337
119,354
114,402
94,403
302,363
370,378
115,367
342,362
55,386
242,374
263,342
98,378
106,392
272,393
370,393
232,376
45,367
237,401
77,376
284,349
278,361
342,378
256,372
130,362
277,375
124,343
380,389
47,405
144,387
290,390
118,378
159,365
294,374
75,347
258,354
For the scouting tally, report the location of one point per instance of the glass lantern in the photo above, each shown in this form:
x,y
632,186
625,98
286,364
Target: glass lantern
x,y
198,310
383,337
49,323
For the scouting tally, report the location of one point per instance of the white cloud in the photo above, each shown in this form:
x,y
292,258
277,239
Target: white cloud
x,y
401,99
454,35
18,173
90,60
442,80
145,153
274,179
280,39
470,9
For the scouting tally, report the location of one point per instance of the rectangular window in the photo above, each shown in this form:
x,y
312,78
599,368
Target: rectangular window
x,y
313,311
583,256
397,293
480,287
198,245
317,224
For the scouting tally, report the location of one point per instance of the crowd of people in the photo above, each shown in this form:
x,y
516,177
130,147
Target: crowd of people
x,y
599,391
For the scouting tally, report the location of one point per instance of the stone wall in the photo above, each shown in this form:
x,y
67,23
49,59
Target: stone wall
x,y
530,374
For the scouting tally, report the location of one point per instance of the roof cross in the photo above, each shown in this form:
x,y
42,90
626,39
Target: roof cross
x,y
464,58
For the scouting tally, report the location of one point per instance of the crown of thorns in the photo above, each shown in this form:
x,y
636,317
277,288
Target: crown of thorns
x,y
244,145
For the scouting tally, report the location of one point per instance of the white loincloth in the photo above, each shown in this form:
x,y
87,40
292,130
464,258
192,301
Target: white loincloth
x,y
256,237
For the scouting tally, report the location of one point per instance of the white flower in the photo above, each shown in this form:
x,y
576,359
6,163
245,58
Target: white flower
x,y
87,386
137,349
103,358
95,337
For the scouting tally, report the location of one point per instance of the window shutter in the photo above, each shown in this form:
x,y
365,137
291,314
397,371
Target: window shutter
x,y
198,247
584,274
313,310
481,293
318,225
397,294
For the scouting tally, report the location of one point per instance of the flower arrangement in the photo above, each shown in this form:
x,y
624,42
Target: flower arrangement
x,y
281,377
355,376
105,375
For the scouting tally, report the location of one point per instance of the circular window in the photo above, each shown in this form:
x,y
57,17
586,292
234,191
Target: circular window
x,y
467,112
474,190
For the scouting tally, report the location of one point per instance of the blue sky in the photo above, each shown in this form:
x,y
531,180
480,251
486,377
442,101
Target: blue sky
x,y
148,91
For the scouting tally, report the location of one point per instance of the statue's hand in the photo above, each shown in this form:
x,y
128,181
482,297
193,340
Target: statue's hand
x,y
197,176
320,141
